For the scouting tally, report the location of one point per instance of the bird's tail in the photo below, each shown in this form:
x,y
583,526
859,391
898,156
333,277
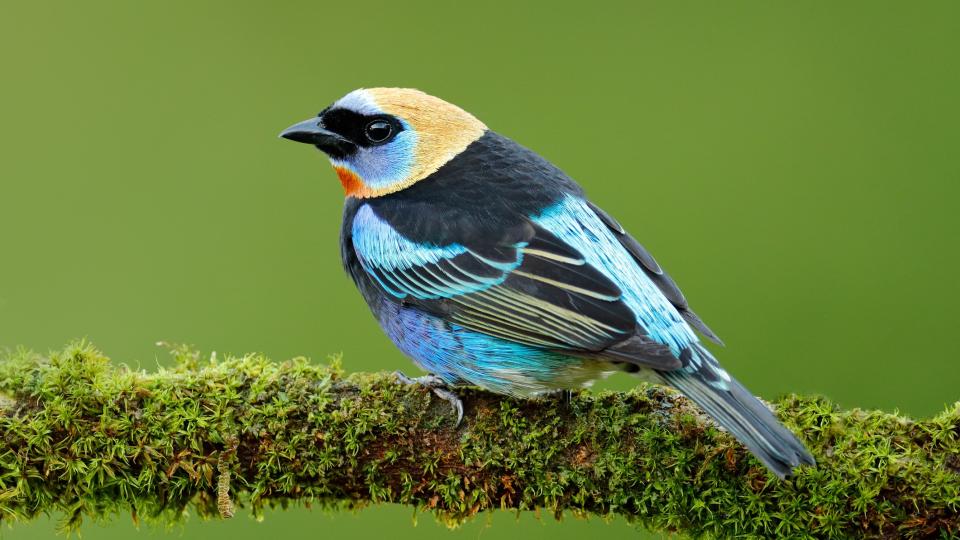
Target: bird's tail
x,y
738,411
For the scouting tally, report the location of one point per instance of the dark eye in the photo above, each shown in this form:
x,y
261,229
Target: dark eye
x,y
378,131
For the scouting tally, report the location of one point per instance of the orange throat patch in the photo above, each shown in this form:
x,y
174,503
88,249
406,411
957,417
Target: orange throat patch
x,y
353,186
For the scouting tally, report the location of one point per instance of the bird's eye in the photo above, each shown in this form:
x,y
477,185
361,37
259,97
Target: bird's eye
x,y
378,131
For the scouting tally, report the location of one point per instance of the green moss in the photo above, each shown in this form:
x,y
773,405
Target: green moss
x,y
85,439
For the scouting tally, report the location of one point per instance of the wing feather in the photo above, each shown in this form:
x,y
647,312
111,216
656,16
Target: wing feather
x,y
532,288
663,281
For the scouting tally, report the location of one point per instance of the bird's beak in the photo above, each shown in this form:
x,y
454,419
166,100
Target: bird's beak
x,y
312,132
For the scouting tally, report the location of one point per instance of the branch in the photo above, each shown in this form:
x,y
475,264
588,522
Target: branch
x,y
83,438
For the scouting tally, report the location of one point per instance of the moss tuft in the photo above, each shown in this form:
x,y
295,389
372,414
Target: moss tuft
x,y
86,439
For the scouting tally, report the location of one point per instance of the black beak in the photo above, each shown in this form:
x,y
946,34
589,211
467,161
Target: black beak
x,y
312,132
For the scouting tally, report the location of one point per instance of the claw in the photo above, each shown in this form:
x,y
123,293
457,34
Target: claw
x,y
454,401
439,388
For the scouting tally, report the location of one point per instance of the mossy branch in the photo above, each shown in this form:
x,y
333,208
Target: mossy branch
x,y
84,438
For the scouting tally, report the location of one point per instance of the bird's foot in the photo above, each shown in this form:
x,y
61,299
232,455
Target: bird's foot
x,y
439,388
563,395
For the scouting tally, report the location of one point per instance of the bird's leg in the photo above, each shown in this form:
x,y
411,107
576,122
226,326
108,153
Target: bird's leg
x,y
439,388
564,395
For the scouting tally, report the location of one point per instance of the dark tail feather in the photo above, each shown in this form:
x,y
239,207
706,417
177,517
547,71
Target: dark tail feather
x,y
738,411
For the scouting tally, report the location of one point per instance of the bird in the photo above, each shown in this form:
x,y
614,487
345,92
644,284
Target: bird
x,y
488,266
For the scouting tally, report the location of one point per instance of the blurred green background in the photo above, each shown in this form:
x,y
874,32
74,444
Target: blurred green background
x,y
794,165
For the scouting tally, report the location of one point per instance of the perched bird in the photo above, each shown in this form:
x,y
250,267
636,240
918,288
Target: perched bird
x,y
488,266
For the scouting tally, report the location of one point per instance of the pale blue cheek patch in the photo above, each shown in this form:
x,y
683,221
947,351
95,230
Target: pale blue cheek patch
x,y
380,167
576,224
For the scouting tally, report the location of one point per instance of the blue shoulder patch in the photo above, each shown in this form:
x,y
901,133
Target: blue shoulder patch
x,y
575,223
424,271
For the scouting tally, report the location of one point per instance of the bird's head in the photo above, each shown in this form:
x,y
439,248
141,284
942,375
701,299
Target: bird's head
x,y
382,140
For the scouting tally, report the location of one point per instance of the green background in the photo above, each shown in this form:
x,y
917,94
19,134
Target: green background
x,y
794,165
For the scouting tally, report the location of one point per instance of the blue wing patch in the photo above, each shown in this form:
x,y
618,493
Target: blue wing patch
x,y
424,271
573,221
538,290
